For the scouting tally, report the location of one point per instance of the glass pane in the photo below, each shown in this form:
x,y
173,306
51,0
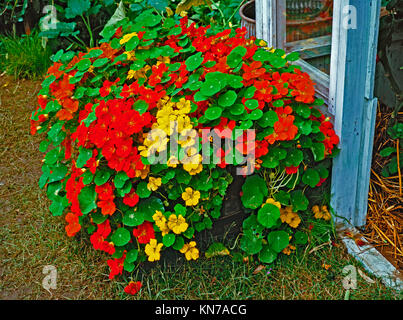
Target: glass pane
x,y
309,29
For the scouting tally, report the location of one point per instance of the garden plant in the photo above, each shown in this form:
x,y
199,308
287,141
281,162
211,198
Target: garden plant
x,y
139,133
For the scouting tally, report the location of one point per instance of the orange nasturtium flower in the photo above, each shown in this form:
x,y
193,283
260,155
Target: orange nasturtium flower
x,y
290,217
73,224
321,213
287,250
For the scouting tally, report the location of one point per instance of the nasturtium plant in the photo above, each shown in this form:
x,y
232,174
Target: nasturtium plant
x,y
141,129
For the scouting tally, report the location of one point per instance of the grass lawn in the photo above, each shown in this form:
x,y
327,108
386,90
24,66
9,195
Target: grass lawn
x,y
30,238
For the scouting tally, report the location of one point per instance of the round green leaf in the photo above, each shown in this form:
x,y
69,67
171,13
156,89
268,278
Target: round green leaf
x,y
52,156
235,57
121,237
83,156
101,177
237,109
294,158
98,217
278,240
128,266
194,61
133,218
251,244
83,64
311,177
86,199
251,104
249,92
227,99
268,215
318,151
299,201
132,255
300,237
278,103
141,106
179,243
199,97
100,62
267,255
120,179
262,55
149,206
255,114
142,190
252,198
293,56
168,240
213,113
209,88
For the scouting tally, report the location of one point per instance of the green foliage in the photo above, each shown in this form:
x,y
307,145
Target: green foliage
x,y
78,21
24,57
395,132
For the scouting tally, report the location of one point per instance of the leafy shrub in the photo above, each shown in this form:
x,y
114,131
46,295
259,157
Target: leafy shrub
x,y
25,57
108,115
79,22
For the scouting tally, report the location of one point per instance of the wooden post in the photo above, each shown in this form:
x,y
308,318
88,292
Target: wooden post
x,y
354,45
271,22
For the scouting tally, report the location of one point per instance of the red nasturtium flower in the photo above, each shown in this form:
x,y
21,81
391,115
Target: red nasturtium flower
x,y
116,266
106,197
133,287
131,199
107,87
73,225
254,70
98,238
291,170
144,232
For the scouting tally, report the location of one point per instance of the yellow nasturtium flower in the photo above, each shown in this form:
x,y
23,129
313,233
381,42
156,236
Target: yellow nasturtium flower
x,y
127,37
172,162
153,183
161,222
162,59
152,250
274,202
130,55
169,11
183,106
177,224
191,196
190,251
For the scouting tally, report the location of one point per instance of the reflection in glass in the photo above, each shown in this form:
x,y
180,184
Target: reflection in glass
x,y
308,30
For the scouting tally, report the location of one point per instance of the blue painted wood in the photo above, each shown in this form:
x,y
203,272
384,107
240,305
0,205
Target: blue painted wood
x,y
351,95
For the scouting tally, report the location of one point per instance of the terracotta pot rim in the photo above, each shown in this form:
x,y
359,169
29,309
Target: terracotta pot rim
x,y
242,8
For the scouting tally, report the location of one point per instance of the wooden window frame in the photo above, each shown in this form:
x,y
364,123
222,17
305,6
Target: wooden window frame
x,y
347,91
